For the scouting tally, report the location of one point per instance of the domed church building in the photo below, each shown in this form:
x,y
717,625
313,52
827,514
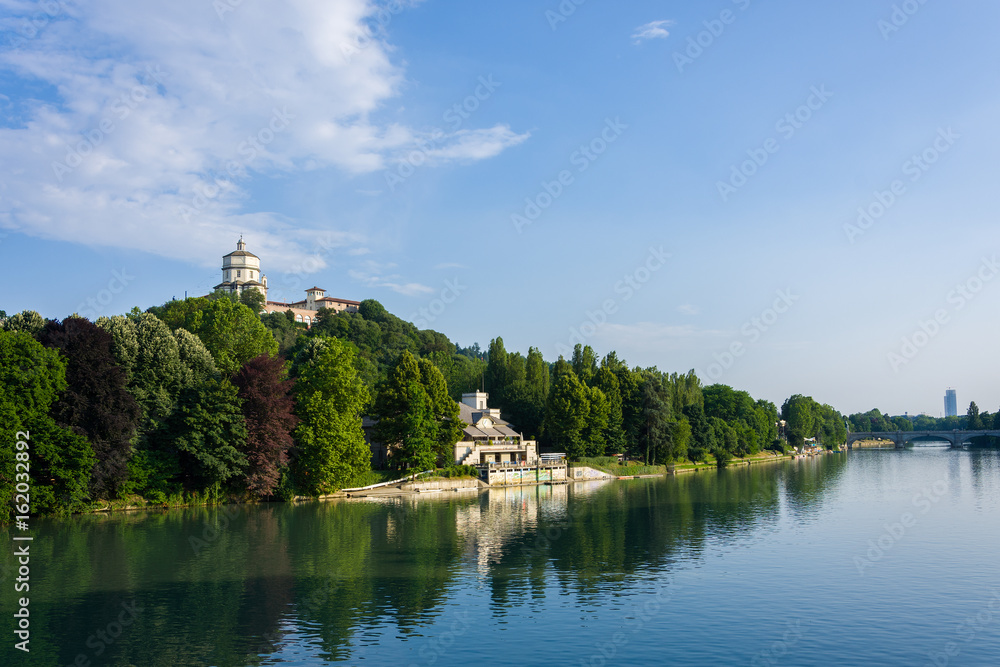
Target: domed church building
x,y
241,271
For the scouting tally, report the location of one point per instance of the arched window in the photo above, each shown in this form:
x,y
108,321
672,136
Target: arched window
x,y
298,318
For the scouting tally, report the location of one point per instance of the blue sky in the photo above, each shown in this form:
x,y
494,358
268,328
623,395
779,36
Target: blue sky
x,y
677,181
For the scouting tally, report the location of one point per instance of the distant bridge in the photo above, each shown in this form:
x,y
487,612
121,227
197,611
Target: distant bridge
x,y
901,438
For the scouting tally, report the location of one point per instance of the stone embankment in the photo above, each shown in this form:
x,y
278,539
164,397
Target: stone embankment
x,y
404,488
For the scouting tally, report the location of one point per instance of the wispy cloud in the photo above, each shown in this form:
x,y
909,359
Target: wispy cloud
x,y
157,120
375,275
477,144
688,309
652,30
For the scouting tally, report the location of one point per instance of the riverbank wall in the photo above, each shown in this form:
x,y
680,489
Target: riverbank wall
x,y
873,444
439,485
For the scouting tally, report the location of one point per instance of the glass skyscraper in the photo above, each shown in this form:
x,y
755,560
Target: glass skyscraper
x,y
950,403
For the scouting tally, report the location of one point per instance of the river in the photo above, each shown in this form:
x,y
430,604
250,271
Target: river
x,y
879,557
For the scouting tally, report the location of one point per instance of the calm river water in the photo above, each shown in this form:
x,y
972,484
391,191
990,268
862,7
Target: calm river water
x,y
866,558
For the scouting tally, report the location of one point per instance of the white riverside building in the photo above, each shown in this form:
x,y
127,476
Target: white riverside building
x,y
241,272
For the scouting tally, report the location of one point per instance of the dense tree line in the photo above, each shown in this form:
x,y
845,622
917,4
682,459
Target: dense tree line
x,y
203,398
877,422
805,418
585,407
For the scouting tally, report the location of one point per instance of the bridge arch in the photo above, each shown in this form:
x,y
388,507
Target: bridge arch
x,y
957,438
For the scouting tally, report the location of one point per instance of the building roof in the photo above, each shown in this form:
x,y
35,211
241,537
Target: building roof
x,y
247,283
314,289
465,413
241,253
330,298
497,432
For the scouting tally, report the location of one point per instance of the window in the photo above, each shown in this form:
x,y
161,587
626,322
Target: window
x,y
237,274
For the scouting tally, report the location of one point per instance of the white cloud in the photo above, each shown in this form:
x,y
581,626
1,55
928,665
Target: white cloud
x,y
477,144
164,115
652,30
688,309
374,276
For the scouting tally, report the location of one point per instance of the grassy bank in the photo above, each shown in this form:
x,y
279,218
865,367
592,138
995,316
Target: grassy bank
x,y
611,466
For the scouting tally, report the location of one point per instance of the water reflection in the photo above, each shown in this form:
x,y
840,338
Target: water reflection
x,y
255,585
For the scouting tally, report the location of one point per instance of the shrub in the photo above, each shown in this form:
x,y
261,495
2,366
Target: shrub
x,y
697,454
459,471
777,445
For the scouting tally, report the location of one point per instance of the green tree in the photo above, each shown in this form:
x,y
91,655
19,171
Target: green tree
x,y
703,438
831,430
973,423
799,413
58,460
596,426
872,421
253,299
381,337
614,435
496,378
681,433
233,333
536,390
752,421
197,364
630,390
566,412
766,422
209,433
655,428
285,329
27,321
420,443
148,352
445,411
406,420
330,451
373,311
161,368
584,363
902,424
